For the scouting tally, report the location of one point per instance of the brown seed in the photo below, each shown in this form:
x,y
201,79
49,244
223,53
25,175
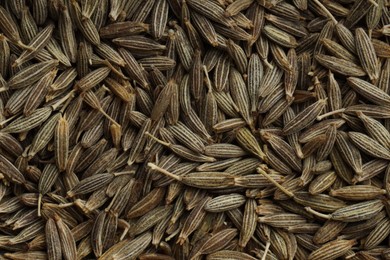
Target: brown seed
x,y
159,18
378,234
92,79
319,202
128,248
366,53
278,36
322,182
357,212
357,192
37,43
151,200
249,222
340,66
369,91
369,145
230,255
249,142
333,249
349,152
53,240
193,220
68,244
62,143
211,10
31,74
283,149
304,118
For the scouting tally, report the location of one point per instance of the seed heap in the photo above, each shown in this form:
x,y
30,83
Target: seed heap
x,y
194,129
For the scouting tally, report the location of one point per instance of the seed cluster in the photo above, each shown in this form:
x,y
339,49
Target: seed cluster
x,y
194,129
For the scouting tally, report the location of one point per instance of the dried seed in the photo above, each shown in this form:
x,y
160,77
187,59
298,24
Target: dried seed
x,y
357,192
369,91
369,145
53,240
224,203
31,74
305,117
280,37
343,67
332,249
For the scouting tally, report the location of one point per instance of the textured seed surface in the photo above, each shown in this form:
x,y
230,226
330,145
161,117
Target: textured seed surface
x,y
197,129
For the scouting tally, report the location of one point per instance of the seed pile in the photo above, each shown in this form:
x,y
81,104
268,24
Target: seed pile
x,y
196,129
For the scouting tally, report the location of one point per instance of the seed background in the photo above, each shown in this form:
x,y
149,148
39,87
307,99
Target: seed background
x,y
197,129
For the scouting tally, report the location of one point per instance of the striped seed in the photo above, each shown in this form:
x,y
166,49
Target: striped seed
x,y
61,137
369,145
366,53
52,240
31,74
332,250
341,66
68,244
